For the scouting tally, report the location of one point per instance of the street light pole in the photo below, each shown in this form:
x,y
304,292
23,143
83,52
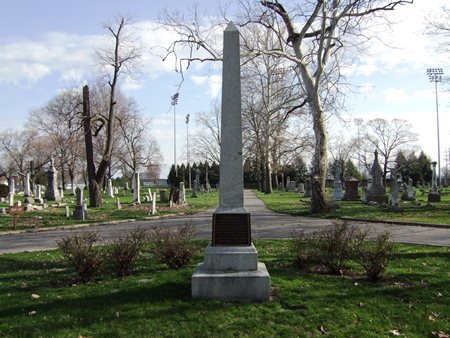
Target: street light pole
x,y
358,122
174,102
435,75
187,148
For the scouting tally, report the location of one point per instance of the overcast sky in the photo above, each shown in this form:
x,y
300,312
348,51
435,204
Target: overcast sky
x,y
48,45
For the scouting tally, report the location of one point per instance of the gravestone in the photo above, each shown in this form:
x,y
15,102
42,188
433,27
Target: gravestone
x,y
376,191
12,186
338,194
292,186
136,189
182,198
61,192
410,190
231,270
196,187
67,211
79,212
153,209
434,195
72,188
110,189
288,183
27,185
10,199
38,194
351,190
126,186
301,188
308,188
393,184
52,193
163,197
118,205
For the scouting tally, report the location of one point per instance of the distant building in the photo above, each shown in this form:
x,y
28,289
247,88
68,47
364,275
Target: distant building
x,y
150,182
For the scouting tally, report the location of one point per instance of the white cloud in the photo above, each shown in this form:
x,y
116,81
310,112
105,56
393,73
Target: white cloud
x,y
214,83
396,95
199,80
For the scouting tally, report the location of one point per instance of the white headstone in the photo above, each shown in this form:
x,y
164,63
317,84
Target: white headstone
x,y
136,188
110,189
153,211
182,198
27,185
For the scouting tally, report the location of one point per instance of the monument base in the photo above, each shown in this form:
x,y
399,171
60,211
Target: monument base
x,y
377,198
434,197
231,274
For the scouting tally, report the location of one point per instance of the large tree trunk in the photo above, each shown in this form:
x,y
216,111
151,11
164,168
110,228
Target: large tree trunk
x,y
319,162
95,197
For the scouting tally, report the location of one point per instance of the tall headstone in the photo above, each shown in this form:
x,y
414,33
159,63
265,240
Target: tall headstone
x,y
79,212
393,184
308,188
376,192
434,195
182,198
27,185
338,194
153,210
410,190
10,199
150,195
231,270
288,183
12,186
136,188
126,186
52,193
38,194
110,189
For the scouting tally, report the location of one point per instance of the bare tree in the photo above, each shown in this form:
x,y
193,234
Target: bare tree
x,y
137,149
114,60
388,137
206,145
58,121
312,36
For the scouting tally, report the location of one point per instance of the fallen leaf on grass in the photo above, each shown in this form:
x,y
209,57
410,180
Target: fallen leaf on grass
x,y
440,334
395,332
323,330
35,296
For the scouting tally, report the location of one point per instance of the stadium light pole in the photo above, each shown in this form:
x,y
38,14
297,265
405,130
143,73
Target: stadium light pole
x,y
359,122
174,102
435,75
187,148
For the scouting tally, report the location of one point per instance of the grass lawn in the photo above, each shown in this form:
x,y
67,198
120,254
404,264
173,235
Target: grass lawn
x,y
38,300
56,216
294,204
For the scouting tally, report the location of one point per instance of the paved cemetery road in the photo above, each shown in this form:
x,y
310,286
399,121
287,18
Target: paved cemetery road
x,y
265,224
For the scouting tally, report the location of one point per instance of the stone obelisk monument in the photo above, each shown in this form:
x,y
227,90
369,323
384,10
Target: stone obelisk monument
x,y
231,270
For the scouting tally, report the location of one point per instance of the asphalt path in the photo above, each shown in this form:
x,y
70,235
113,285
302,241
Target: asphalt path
x,y
264,223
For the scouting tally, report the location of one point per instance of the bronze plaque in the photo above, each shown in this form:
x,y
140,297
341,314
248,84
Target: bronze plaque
x,y
231,229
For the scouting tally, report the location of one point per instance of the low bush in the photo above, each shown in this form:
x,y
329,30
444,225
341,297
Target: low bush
x,y
173,247
124,251
79,250
335,245
305,252
374,256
